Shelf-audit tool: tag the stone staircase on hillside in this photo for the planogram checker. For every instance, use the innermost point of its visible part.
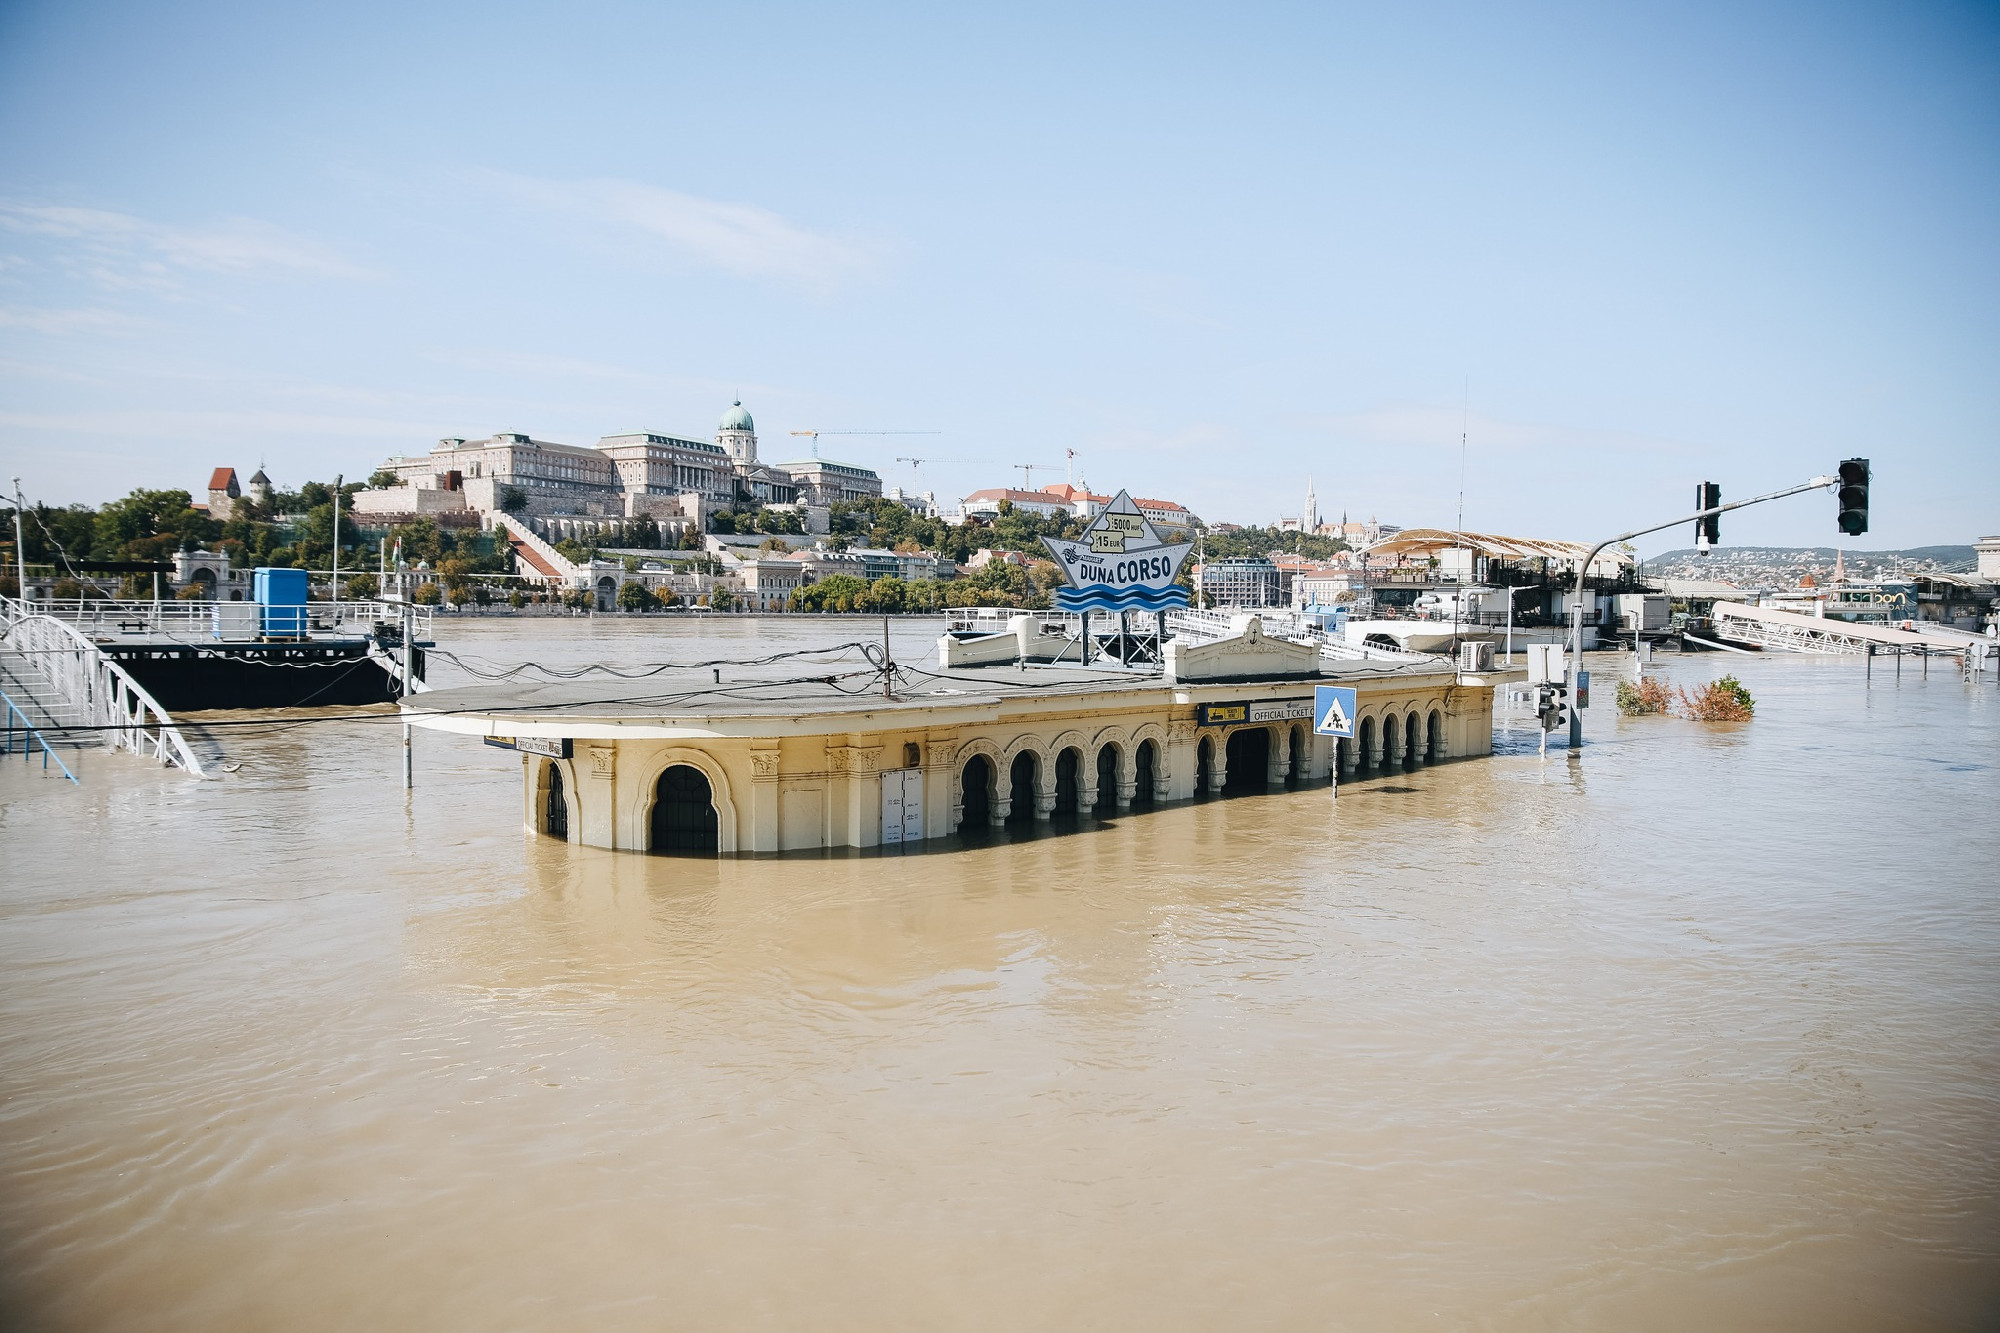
(537, 559)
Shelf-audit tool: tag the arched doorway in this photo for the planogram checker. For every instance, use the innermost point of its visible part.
(1107, 781)
(1144, 761)
(1366, 738)
(683, 812)
(1021, 794)
(1392, 742)
(977, 787)
(1434, 743)
(1343, 747)
(607, 593)
(1069, 795)
(1248, 753)
(1297, 774)
(1204, 766)
(555, 804)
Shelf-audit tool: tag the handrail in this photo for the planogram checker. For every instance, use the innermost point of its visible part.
(107, 697)
(197, 619)
(30, 735)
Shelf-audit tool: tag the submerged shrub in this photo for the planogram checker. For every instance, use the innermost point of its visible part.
(1723, 700)
(1644, 696)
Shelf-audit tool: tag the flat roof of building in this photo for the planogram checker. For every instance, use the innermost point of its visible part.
(835, 700)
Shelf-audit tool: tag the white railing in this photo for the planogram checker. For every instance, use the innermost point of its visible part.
(197, 620)
(87, 691)
(1208, 625)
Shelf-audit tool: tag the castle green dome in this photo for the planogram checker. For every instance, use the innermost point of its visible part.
(738, 419)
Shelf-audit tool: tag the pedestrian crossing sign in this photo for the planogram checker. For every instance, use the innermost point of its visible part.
(1333, 710)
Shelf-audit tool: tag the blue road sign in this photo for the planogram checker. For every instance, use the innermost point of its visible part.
(1333, 710)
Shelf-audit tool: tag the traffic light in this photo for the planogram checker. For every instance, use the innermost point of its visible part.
(1707, 530)
(1549, 705)
(1854, 496)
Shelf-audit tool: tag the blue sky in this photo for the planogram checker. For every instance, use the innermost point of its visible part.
(1214, 250)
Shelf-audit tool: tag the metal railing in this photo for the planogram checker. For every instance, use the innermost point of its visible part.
(199, 620)
(1206, 625)
(75, 683)
(30, 737)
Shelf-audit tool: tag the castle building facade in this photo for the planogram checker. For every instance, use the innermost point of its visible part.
(632, 474)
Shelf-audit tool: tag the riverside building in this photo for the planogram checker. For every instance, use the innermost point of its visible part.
(812, 765)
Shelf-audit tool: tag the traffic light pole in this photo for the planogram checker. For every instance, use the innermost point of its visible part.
(1583, 573)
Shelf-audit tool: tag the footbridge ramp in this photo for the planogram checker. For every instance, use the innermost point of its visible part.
(70, 691)
(1789, 631)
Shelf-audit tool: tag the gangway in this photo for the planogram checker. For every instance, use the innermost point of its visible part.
(1789, 631)
(66, 678)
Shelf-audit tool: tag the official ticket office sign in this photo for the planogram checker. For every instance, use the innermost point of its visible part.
(1120, 563)
(1264, 710)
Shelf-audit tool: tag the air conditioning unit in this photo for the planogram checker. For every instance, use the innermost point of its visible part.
(1475, 657)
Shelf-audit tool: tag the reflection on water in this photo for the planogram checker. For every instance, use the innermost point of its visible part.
(1698, 1029)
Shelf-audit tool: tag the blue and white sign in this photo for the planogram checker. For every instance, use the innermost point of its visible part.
(1334, 707)
(1120, 563)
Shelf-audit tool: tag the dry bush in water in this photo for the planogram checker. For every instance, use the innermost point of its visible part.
(1723, 700)
(1647, 696)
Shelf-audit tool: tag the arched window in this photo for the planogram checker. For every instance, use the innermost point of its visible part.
(1204, 765)
(1392, 742)
(555, 804)
(1144, 765)
(1021, 792)
(684, 812)
(1249, 754)
(978, 790)
(1366, 737)
(1107, 781)
(1434, 749)
(1296, 775)
(1069, 795)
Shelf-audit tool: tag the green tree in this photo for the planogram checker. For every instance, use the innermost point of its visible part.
(634, 596)
(361, 587)
(512, 499)
(427, 594)
(383, 478)
(722, 599)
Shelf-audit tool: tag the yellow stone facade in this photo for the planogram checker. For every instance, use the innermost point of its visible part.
(792, 784)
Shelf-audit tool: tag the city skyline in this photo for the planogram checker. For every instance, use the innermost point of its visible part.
(1618, 254)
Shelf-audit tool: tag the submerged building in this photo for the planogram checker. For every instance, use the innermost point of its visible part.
(795, 766)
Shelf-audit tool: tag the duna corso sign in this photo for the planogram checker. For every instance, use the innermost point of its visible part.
(1120, 563)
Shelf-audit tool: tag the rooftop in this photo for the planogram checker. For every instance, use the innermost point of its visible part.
(1429, 541)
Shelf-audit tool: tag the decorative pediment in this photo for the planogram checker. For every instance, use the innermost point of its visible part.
(1248, 654)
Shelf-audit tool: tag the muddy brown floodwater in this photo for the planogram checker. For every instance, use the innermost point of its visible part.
(1700, 1031)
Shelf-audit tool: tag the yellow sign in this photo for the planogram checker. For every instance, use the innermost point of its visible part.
(1131, 525)
(1103, 541)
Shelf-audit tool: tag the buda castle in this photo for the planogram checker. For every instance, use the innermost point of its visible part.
(638, 474)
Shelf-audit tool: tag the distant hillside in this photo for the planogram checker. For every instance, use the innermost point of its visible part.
(1947, 556)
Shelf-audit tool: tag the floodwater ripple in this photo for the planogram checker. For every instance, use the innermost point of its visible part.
(1700, 1029)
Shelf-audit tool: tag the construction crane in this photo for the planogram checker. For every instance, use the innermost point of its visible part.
(915, 463)
(1028, 469)
(815, 434)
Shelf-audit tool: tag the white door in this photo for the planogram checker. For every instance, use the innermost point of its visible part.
(902, 806)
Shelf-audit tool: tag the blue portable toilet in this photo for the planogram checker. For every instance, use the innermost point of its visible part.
(281, 600)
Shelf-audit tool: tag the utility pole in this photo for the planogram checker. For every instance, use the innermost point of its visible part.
(338, 478)
(409, 681)
(20, 545)
(1575, 666)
